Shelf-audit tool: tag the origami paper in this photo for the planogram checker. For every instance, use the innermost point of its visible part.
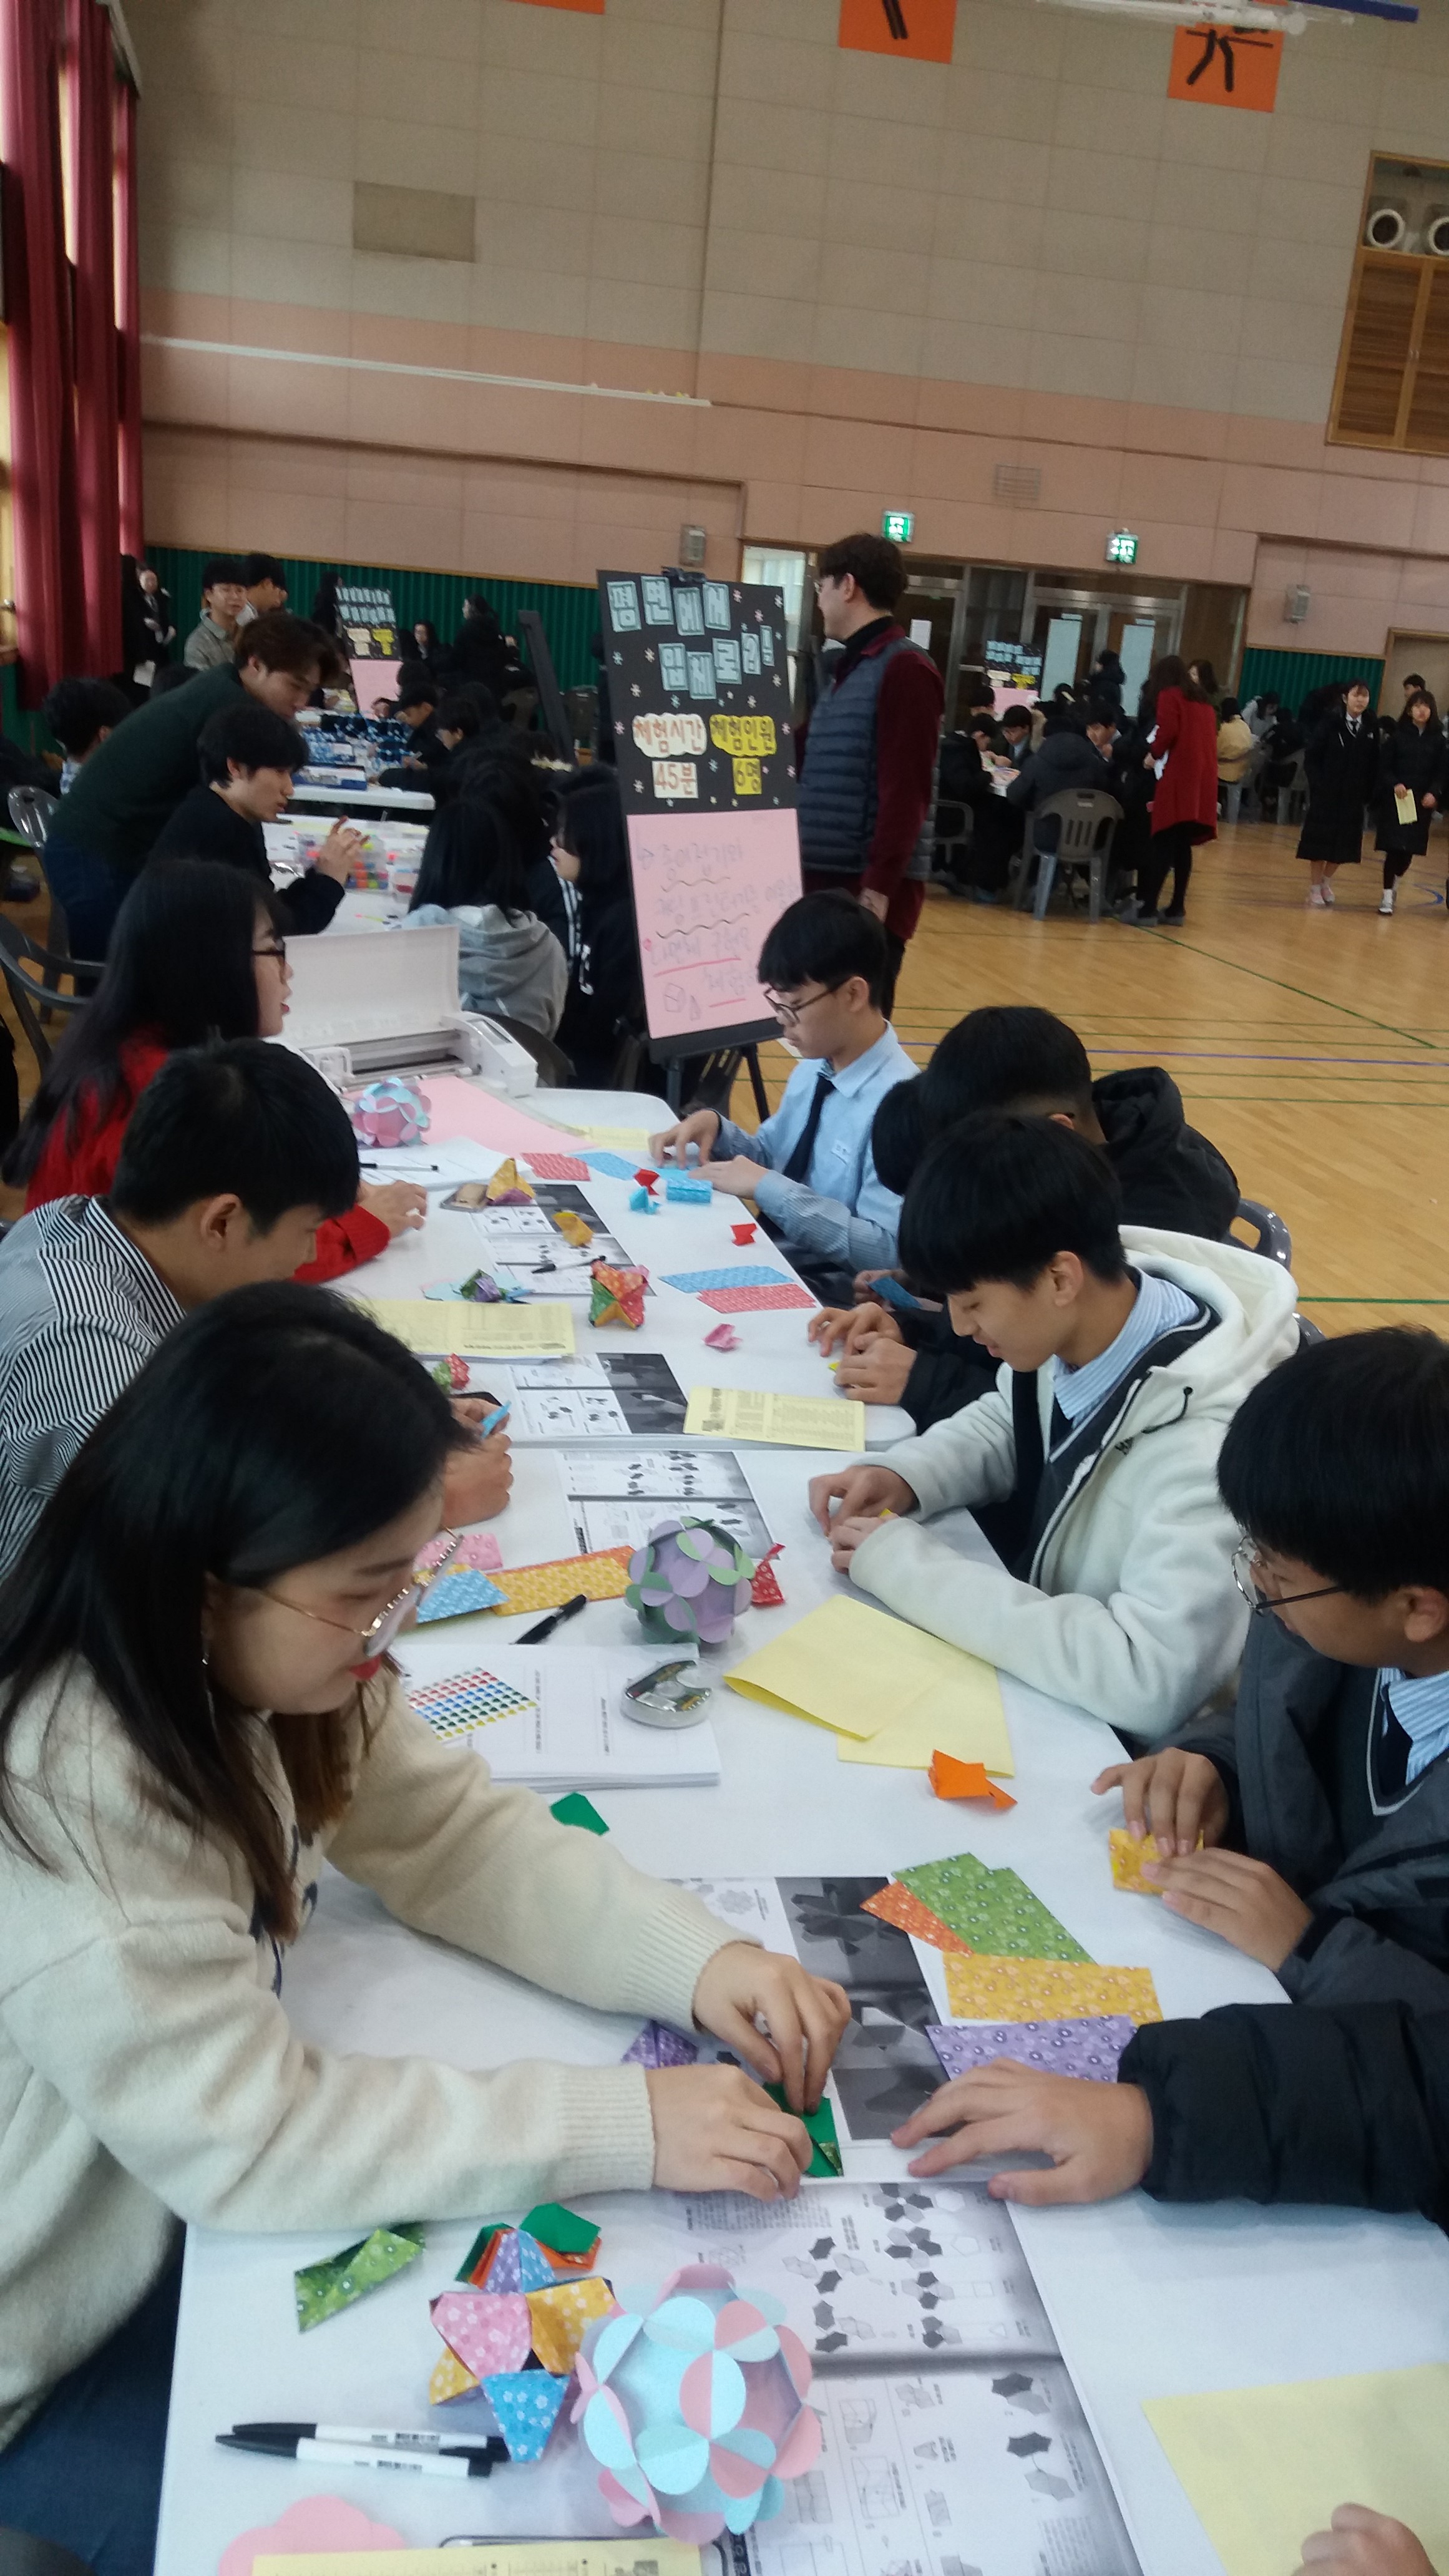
(755, 1301)
(508, 1187)
(688, 1189)
(704, 2447)
(993, 1910)
(480, 1288)
(557, 1167)
(601, 1577)
(325, 2289)
(723, 1338)
(995, 1989)
(658, 2045)
(388, 1113)
(820, 2130)
(574, 1228)
(527, 2405)
(765, 1592)
(449, 2380)
(744, 1233)
(744, 1275)
(561, 2231)
(312, 2527)
(849, 1667)
(645, 1177)
(562, 2317)
(520, 2263)
(576, 1809)
(456, 1593)
(467, 1700)
(612, 1166)
(484, 2330)
(451, 1375)
(475, 2264)
(478, 1548)
(617, 1296)
(1127, 1858)
(1087, 2048)
(642, 1204)
(895, 1904)
(953, 1779)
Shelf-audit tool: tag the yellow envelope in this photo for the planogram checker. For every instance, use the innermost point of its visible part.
(851, 1668)
(1265, 2466)
(994, 1989)
(786, 1421)
(443, 1324)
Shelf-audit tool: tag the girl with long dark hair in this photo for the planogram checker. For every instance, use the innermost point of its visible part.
(197, 952)
(605, 1002)
(1414, 765)
(1182, 735)
(475, 875)
(197, 1709)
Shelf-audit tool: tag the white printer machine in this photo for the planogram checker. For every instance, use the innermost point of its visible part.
(367, 1002)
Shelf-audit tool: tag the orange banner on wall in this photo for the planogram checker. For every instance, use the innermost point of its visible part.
(925, 30)
(1225, 67)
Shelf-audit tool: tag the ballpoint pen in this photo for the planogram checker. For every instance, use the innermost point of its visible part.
(555, 1619)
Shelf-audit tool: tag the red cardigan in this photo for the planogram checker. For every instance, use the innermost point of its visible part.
(87, 1168)
(1187, 791)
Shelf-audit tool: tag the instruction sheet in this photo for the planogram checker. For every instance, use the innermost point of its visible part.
(617, 1496)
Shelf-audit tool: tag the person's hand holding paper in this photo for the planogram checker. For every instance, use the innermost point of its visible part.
(855, 1492)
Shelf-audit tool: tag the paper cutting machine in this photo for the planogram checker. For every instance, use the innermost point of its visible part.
(369, 1002)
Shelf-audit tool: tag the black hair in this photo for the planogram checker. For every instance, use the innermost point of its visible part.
(472, 855)
(281, 642)
(999, 1196)
(275, 1426)
(77, 710)
(1414, 680)
(252, 735)
(428, 628)
(172, 675)
(219, 568)
(591, 827)
(458, 712)
(1009, 1055)
(1228, 710)
(1407, 717)
(1102, 711)
(1171, 672)
(1207, 678)
(875, 563)
(1340, 1458)
(179, 969)
(255, 568)
(898, 1136)
(1017, 715)
(825, 939)
(417, 688)
(238, 1117)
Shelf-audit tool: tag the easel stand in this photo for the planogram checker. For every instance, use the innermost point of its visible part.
(715, 1078)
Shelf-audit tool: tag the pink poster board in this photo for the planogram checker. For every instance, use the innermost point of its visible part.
(373, 680)
(459, 1108)
(707, 887)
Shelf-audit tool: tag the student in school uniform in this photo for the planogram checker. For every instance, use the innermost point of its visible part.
(82, 714)
(1414, 764)
(196, 1709)
(235, 1156)
(809, 1168)
(1125, 1358)
(1341, 765)
(474, 875)
(248, 756)
(198, 953)
(1015, 1057)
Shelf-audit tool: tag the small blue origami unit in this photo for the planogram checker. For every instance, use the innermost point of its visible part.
(692, 2400)
(688, 1189)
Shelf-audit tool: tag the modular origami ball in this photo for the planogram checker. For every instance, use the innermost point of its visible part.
(692, 2400)
(616, 1296)
(389, 1112)
(688, 1581)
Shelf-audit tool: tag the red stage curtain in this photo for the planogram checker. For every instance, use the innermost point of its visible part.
(128, 326)
(47, 554)
(92, 148)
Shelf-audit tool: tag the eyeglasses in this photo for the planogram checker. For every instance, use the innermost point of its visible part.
(1245, 1557)
(379, 1632)
(277, 949)
(789, 1013)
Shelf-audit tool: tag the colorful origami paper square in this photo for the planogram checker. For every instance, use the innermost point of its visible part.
(895, 1904)
(561, 2231)
(576, 1809)
(325, 2289)
(612, 1166)
(820, 2130)
(658, 2045)
(1127, 1858)
(562, 2317)
(526, 2405)
(987, 1989)
(751, 1301)
(558, 1167)
(1088, 2049)
(951, 1778)
(455, 1593)
(485, 2331)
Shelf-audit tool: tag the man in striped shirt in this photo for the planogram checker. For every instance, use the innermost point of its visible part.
(233, 1156)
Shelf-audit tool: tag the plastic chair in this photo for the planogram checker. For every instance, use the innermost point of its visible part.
(1087, 819)
(32, 812)
(26, 990)
(952, 836)
(1273, 1238)
(22, 2556)
(1308, 1332)
(1292, 792)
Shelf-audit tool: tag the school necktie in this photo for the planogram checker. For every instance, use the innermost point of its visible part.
(799, 1163)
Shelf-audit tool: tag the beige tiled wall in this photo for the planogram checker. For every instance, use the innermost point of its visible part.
(882, 277)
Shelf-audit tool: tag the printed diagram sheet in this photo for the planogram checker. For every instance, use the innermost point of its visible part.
(609, 1393)
(617, 1496)
(524, 1249)
(955, 2444)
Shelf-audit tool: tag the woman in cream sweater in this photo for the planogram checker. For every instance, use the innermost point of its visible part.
(235, 1540)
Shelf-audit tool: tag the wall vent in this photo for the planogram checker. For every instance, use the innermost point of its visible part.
(1019, 483)
(414, 223)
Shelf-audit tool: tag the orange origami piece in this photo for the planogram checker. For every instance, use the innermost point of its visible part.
(895, 1904)
(574, 1228)
(951, 1778)
(1127, 1858)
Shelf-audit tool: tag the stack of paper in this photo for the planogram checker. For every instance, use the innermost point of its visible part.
(785, 1421)
(438, 1326)
(992, 1909)
(892, 1693)
(561, 1725)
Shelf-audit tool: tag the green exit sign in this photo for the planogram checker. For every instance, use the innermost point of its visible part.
(898, 525)
(1122, 546)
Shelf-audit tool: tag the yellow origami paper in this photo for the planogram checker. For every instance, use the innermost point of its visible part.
(990, 1989)
(449, 2379)
(562, 2317)
(1127, 1858)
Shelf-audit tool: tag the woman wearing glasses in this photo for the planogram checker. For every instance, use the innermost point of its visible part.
(197, 952)
(195, 1711)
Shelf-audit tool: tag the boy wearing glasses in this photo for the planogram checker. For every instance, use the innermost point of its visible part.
(809, 1168)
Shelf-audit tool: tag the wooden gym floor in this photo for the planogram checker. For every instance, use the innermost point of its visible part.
(1312, 1047)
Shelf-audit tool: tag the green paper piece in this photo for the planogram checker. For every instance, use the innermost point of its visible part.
(490, 2228)
(576, 1810)
(325, 2289)
(820, 2129)
(562, 2229)
(992, 1910)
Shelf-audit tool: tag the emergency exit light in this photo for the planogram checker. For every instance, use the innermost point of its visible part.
(898, 525)
(1122, 547)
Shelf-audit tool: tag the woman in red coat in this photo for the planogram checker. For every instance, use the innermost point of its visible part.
(1183, 750)
(196, 953)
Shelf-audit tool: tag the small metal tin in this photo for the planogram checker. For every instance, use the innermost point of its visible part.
(672, 1694)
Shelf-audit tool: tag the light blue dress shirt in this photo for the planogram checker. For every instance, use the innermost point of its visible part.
(841, 1213)
(1161, 1306)
(1422, 1709)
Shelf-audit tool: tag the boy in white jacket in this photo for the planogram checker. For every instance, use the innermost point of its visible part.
(1126, 1355)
